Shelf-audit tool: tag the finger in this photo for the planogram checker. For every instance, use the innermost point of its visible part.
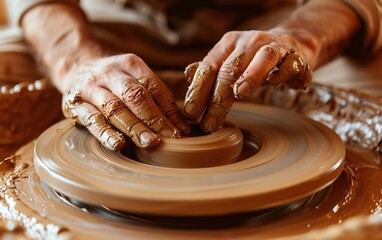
(222, 98)
(202, 84)
(159, 92)
(139, 101)
(164, 99)
(293, 70)
(120, 117)
(89, 116)
(190, 71)
(266, 58)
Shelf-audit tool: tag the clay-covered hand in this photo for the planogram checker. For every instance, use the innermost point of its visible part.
(120, 94)
(236, 66)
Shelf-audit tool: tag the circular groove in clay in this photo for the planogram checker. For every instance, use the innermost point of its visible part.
(215, 149)
(297, 157)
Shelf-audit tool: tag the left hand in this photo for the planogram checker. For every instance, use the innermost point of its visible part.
(236, 66)
(120, 94)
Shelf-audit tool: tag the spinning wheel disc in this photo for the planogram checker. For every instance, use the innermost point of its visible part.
(297, 157)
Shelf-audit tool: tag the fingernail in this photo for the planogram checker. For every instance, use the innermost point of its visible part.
(242, 90)
(191, 110)
(115, 141)
(146, 137)
(170, 133)
(209, 124)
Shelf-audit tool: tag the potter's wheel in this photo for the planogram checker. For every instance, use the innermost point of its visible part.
(292, 158)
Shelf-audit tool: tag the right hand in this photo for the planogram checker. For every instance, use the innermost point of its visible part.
(120, 94)
(237, 66)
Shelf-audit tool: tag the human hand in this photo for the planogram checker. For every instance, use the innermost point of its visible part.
(120, 94)
(236, 66)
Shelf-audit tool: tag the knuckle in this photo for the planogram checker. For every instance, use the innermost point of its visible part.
(155, 123)
(132, 60)
(145, 81)
(228, 74)
(228, 36)
(154, 87)
(170, 109)
(112, 107)
(260, 35)
(134, 94)
(207, 68)
(107, 68)
(90, 83)
(95, 119)
(205, 73)
(72, 98)
(270, 52)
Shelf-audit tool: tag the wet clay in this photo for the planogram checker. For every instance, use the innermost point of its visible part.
(292, 68)
(356, 193)
(286, 147)
(350, 208)
(222, 96)
(215, 90)
(26, 109)
(165, 100)
(209, 150)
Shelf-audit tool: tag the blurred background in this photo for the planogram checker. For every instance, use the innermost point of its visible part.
(344, 73)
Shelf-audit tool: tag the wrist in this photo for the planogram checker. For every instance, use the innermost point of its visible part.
(65, 42)
(60, 64)
(73, 63)
(323, 28)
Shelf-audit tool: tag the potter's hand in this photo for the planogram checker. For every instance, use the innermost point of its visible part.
(121, 94)
(236, 66)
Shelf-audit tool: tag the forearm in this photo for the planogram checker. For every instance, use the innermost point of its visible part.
(324, 27)
(60, 35)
